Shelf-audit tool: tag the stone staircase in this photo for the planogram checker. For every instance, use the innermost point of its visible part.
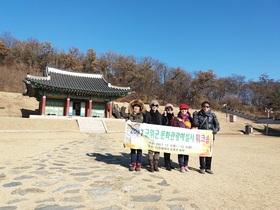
(91, 125)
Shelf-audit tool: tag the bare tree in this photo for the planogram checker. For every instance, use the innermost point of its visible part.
(104, 65)
(201, 87)
(149, 78)
(8, 39)
(4, 51)
(90, 63)
(72, 60)
(177, 86)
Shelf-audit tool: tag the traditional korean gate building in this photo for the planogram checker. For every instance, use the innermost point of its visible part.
(67, 93)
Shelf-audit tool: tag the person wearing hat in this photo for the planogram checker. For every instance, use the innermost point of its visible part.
(207, 120)
(136, 114)
(167, 117)
(183, 120)
(153, 117)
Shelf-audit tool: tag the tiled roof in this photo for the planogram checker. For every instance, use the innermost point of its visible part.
(74, 83)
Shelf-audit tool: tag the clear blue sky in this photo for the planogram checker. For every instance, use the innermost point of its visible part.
(228, 36)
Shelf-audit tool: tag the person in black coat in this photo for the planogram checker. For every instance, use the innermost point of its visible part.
(153, 117)
(167, 117)
(207, 120)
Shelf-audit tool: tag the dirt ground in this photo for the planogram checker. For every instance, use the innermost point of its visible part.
(246, 167)
(246, 170)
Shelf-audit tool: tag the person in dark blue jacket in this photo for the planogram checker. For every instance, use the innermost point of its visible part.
(207, 120)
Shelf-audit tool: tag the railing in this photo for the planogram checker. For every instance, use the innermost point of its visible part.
(240, 114)
(251, 117)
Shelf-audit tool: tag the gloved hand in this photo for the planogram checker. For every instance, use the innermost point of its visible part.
(215, 131)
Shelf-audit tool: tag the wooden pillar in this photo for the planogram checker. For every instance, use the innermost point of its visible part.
(42, 106)
(89, 108)
(86, 109)
(66, 107)
(109, 110)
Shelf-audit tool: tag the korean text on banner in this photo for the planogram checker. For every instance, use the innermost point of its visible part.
(168, 139)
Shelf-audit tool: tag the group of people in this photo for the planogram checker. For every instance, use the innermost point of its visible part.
(202, 119)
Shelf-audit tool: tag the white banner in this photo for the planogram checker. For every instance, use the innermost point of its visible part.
(168, 139)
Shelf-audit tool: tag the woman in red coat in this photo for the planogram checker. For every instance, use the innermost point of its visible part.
(183, 120)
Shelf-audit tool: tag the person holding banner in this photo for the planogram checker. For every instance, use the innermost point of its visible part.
(183, 120)
(136, 110)
(167, 117)
(207, 120)
(153, 117)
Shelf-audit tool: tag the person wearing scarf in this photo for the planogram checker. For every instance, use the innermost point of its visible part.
(183, 120)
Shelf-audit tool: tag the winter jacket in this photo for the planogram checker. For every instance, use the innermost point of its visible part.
(179, 122)
(136, 117)
(206, 120)
(166, 120)
(139, 117)
(153, 117)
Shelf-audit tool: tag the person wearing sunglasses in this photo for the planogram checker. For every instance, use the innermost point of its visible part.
(183, 120)
(207, 120)
(167, 117)
(153, 117)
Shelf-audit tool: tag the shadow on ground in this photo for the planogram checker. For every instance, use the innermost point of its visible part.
(124, 160)
(271, 131)
(25, 113)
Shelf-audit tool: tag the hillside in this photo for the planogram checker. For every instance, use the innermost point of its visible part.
(14, 108)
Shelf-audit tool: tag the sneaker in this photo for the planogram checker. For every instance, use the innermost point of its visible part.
(187, 169)
(182, 170)
(202, 171)
(209, 171)
(138, 167)
(132, 167)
